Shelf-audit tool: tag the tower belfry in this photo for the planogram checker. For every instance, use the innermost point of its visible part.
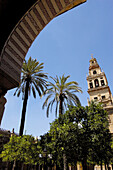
(99, 90)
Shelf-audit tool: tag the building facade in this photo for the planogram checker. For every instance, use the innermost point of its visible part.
(99, 90)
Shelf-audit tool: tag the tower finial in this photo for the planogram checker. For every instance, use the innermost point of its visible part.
(92, 56)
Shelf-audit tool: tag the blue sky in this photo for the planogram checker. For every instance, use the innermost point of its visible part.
(65, 46)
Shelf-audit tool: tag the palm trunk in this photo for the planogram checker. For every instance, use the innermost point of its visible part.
(24, 108)
(84, 164)
(101, 165)
(61, 105)
(65, 162)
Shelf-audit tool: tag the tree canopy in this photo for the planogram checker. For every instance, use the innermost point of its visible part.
(32, 79)
(23, 149)
(82, 133)
(61, 93)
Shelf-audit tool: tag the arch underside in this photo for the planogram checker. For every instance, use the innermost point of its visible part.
(23, 35)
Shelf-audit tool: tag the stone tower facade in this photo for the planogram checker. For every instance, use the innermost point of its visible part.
(99, 90)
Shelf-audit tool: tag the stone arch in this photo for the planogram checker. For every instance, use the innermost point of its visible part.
(23, 35)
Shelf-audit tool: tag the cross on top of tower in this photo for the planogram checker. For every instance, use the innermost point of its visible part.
(92, 56)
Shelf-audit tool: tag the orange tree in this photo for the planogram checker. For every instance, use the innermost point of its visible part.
(82, 134)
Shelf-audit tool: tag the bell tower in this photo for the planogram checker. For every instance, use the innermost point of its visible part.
(99, 90)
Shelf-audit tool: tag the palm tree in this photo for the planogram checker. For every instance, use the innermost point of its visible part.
(62, 93)
(32, 79)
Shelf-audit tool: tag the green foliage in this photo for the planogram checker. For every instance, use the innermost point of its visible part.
(23, 149)
(101, 136)
(82, 133)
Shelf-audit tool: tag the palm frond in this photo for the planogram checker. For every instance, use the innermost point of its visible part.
(71, 83)
(19, 89)
(46, 101)
(48, 108)
(43, 75)
(33, 91)
(49, 91)
(53, 101)
(64, 79)
(55, 80)
(53, 86)
(39, 84)
(37, 89)
(74, 98)
(16, 91)
(76, 88)
(66, 90)
(18, 94)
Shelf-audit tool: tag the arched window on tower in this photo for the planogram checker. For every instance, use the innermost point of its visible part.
(96, 83)
(94, 72)
(91, 85)
(102, 82)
